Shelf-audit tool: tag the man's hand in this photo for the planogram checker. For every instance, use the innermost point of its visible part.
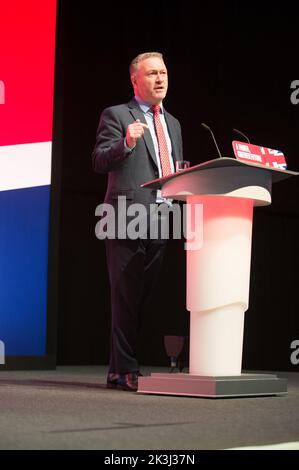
(134, 132)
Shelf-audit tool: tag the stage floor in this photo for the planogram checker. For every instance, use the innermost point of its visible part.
(70, 408)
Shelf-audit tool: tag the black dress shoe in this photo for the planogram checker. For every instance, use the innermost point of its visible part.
(127, 382)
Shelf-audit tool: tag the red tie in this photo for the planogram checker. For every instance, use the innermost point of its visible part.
(163, 150)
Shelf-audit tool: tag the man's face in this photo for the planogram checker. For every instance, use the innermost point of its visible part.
(150, 81)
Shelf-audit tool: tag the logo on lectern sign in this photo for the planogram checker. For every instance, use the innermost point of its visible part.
(259, 155)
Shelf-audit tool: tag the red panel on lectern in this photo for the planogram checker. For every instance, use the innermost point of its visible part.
(260, 155)
(27, 70)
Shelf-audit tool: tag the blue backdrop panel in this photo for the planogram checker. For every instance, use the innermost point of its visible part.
(24, 223)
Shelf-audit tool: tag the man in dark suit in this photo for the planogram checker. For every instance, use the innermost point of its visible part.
(136, 142)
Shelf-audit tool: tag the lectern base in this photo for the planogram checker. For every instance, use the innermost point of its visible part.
(212, 387)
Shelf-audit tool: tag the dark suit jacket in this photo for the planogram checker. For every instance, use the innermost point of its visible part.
(127, 171)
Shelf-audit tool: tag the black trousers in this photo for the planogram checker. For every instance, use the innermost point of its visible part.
(133, 267)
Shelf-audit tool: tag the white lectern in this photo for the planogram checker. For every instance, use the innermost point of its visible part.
(218, 274)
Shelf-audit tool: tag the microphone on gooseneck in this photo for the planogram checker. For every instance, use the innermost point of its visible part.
(210, 130)
(243, 135)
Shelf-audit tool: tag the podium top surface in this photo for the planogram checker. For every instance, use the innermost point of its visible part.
(277, 174)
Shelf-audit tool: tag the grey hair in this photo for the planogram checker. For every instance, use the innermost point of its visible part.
(141, 57)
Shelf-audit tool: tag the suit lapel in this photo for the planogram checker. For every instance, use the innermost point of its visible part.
(138, 114)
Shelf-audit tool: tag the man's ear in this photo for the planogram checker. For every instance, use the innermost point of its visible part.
(133, 79)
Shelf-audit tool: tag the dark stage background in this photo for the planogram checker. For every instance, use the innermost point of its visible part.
(229, 66)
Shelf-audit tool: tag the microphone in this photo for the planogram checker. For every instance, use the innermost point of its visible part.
(210, 130)
(243, 135)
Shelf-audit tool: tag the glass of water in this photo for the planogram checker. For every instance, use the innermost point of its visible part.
(181, 165)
